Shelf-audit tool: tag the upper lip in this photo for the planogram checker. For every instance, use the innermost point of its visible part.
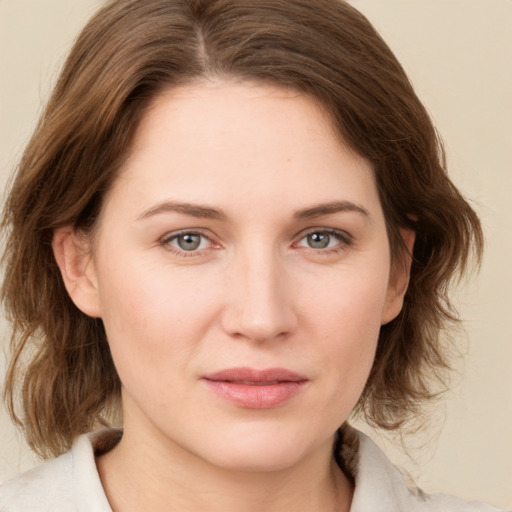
(251, 375)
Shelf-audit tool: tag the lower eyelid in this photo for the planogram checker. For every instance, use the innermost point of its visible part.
(344, 238)
(168, 239)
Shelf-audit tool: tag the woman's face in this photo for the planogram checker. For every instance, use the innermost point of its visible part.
(242, 270)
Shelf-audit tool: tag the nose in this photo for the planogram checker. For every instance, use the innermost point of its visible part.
(260, 298)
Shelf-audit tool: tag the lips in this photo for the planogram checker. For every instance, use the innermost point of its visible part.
(256, 389)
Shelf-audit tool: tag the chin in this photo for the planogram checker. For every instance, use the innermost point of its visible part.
(262, 449)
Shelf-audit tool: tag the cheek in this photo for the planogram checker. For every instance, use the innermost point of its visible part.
(347, 319)
(350, 303)
(154, 319)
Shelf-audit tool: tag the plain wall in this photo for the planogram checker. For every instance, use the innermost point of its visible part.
(458, 54)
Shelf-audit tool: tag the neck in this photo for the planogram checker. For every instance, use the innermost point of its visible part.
(139, 475)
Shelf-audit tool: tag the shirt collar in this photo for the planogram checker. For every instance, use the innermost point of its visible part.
(379, 485)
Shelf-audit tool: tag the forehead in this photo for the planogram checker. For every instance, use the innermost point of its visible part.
(240, 113)
(226, 141)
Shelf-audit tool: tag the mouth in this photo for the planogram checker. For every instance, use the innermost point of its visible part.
(256, 389)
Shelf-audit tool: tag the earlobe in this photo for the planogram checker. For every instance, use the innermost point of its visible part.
(399, 279)
(77, 269)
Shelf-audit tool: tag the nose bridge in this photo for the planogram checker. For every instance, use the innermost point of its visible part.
(261, 301)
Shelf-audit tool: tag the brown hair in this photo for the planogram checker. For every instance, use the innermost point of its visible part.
(126, 55)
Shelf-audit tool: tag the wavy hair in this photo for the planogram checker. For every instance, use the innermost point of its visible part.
(127, 54)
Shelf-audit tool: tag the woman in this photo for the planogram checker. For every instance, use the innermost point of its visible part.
(232, 224)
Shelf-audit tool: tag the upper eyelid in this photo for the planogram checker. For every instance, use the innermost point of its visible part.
(334, 231)
(165, 242)
(172, 235)
(345, 241)
(193, 231)
(344, 235)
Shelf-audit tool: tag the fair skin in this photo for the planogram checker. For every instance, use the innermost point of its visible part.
(241, 234)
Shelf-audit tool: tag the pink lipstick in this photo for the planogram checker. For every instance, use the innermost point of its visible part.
(256, 389)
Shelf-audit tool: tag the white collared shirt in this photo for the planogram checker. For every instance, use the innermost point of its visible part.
(71, 482)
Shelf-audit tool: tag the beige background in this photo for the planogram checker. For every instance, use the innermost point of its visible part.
(458, 54)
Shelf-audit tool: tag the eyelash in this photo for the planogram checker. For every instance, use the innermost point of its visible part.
(168, 239)
(345, 241)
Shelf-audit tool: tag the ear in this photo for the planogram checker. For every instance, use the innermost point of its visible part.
(74, 259)
(399, 279)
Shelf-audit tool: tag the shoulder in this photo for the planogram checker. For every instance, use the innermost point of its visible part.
(379, 485)
(65, 484)
(46, 487)
(445, 502)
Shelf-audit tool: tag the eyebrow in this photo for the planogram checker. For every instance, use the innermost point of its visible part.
(207, 212)
(331, 208)
(194, 210)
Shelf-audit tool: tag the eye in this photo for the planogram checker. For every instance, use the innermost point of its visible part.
(324, 239)
(187, 241)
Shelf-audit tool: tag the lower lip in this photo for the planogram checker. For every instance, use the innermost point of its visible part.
(256, 396)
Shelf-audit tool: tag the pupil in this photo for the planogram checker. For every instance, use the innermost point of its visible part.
(318, 240)
(189, 242)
